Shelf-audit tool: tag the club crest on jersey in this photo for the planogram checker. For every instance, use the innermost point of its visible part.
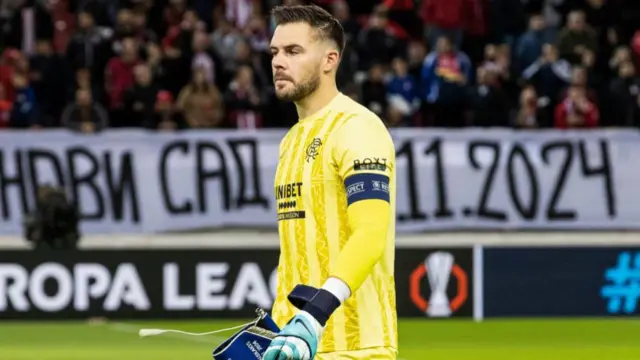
(312, 149)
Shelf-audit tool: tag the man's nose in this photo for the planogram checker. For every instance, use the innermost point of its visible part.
(278, 62)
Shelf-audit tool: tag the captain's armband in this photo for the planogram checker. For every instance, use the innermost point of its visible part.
(366, 186)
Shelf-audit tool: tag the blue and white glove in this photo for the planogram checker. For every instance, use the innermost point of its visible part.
(299, 339)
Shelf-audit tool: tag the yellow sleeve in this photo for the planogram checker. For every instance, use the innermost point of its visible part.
(364, 155)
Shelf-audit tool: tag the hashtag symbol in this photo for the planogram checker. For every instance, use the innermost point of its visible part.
(623, 288)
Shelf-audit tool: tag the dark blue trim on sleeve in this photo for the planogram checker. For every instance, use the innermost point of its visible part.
(366, 186)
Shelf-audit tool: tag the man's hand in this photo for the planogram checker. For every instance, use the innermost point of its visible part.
(298, 340)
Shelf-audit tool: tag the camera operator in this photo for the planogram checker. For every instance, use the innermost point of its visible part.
(54, 223)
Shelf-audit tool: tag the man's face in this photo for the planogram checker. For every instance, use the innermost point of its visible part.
(550, 53)
(536, 23)
(341, 10)
(626, 69)
(297, 61)
(200, 41)
(399, 67)
(19, 81)
(129, 48)
(376, 73)
(245, 76)
(83, 98)
(142, 74)
(443, 45)
(85, 20)
(125, 18)
(579, 76)
(139, 20)
(43, 47)
(576, 21)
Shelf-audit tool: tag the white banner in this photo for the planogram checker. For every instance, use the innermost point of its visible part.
(139, 182)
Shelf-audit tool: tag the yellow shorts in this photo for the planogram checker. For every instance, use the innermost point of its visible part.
(379, 353)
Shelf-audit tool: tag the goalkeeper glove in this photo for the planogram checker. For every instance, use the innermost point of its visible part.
(299, 339)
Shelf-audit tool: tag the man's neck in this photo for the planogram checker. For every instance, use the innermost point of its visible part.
(316, 101)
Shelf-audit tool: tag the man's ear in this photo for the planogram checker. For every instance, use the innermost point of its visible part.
(332, 60)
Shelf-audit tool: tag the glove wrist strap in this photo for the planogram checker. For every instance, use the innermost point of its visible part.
(319, 303)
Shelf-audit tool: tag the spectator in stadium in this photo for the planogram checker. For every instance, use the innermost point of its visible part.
(103, 11)
(239, 12)
(166, 117)
(349, 62)
(24, 113)
(580, 78)
(244, 100)
(119, 77)
(7, 68)
(48, 75)
(21, 65)
(155, 63)
(533, 112)
(123, 29)
(140, 30)
(245, 57)
(84, 114)
(416, 53)
(202, 58)
(576, 38)
(5, 108)
(402, 91)
(374, 91)
(376, 43)
(179, 37)
(177, 47)
(225, 40)
(89, 48)
(497, 61)
(621, 55)
(82, 80)
(576, 111)
(201, 102)
(549, 75)
(442, 18)
(624, 93)
(403, 12)
(529, 45)
(257, 35)
(488, 101)
(445, 75)
(139, 100)
(173, 14)
(341, 11)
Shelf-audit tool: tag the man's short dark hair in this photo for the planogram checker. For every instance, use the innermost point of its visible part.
(318, 18)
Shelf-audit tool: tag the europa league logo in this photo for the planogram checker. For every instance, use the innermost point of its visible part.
(438, 267)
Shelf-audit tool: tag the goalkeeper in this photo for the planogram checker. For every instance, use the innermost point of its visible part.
(335, 192)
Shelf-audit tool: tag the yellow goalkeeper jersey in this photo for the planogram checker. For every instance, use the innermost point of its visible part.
(341, 154)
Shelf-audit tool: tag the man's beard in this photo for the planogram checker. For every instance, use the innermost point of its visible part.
(301, 90)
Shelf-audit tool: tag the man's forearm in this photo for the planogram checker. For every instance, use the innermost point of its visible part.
(370, 223)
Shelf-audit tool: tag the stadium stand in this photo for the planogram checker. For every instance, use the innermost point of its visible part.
(176, 64)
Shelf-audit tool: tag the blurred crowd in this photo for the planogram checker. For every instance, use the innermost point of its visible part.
(177, 64)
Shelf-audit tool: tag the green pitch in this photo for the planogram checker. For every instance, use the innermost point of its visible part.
(611, 339)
